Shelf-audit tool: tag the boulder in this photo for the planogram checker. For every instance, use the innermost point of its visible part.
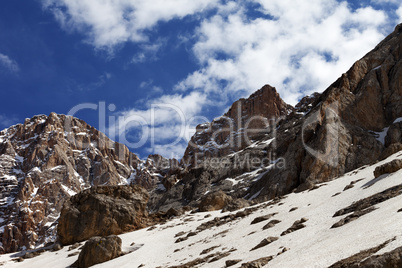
(214, 201)
(102, 211)
(389, 167)
(99, 249)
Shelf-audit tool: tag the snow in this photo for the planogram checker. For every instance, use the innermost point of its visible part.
(68, 190)
(161, 187)
(19, 158)
(255, 195)
(381, 135)
(34, 192)
(376, 68)
(234, 181)
(316, 245)
(397, 120)
(35, 169)
(57, 167)
(132, 176)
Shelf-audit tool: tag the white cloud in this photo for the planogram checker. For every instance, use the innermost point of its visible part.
(168, 122)
(399, 13)
(7, 120)
(304, 48)
(112, 22)
(295, 45)
(148, 52)
(8, 63)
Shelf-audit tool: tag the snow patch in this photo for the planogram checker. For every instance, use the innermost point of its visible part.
(68, 190)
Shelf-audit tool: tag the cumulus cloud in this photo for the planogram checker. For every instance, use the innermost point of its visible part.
(8, 63)
(167, 122)
(112, 22)
(296, 46)
(399, 13)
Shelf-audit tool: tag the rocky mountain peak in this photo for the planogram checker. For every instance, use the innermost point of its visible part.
(246, 120)
(46, 160)
(356, 121)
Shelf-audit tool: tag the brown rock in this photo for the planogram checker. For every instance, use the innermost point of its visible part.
(264, 242)
(214, 201)
(229, 263)
(46, 160)
(101, 211)
(97, 250)
(389, 167)
(257, 263)
(226, 134)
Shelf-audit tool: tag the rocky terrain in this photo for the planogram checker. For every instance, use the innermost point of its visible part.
(295, 230)
(64, 181)
(356, 121)
(50, 158)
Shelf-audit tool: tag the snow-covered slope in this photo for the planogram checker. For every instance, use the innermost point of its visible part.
(232, 236)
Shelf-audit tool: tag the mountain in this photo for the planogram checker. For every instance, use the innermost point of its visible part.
(233, 131)
(262, 149)
(50, 158)
(353, 221)
(354, 122)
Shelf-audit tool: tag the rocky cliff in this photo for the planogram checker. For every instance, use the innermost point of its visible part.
(246, 120)
(355, 122)
(48, 159)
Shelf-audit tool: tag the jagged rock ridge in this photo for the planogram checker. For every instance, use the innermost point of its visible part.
(48, 159)
(355, 122)
(234, 130)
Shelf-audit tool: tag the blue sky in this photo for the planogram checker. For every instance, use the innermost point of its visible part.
(183, 61)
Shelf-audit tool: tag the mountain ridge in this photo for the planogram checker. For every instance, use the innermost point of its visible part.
(353, 123)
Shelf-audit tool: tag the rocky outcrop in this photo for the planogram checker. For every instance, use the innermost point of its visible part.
(42, 163)
(50, 158)
(355, 122)
(214, 201)
(97, 250)
(386, 260)
(102, 211)
(246, 120)
(389, 167)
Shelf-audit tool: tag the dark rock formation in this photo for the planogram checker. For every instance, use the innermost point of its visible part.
(257, 263)
(99, 249)
(102, 211)
(389, 167)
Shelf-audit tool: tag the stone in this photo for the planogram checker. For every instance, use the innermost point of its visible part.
(229, 263)
(98, 250)
(214, 201)
(102, 211)
(264, 242)
(389, 167)
(257, 263)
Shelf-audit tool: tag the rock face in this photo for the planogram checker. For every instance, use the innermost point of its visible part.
(235, 130)
(99, 249)
(355, 122)
(48, 159)
(102, 211)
